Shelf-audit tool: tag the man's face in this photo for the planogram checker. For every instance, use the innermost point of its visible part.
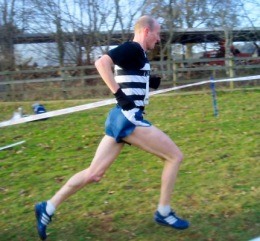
(153, 37)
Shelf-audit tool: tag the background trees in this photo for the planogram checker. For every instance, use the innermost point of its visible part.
(69, 20)
(14, 16)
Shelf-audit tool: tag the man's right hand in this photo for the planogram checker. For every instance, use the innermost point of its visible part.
(124, 101)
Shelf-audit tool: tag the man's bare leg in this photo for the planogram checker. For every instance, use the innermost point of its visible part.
(153, 140)
(106, 153)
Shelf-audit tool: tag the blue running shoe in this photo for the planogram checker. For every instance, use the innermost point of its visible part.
(171, 220)
(43, 219)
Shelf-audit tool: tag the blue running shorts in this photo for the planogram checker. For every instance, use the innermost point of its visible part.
(121, 123)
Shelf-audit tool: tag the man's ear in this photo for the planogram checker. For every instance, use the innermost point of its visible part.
(146, 31)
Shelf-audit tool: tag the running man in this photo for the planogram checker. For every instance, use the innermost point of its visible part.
(129, 82)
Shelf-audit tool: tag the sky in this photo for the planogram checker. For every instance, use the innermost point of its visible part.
(253, 11)
(36, 54)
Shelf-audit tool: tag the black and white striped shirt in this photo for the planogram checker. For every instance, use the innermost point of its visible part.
(132, 71)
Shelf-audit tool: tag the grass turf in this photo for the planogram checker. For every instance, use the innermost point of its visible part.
(218, 187)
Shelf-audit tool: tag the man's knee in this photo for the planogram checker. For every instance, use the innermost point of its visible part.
(180, 157)
(95, 176)
(176, 157)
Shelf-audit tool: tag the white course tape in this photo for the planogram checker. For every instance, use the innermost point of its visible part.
(12, 145)
(255, 239)
(110, 101)
(255, 77)
(57, 112)
(156, 92)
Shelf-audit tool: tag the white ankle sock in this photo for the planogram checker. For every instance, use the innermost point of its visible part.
(164, 210)
(50, 209)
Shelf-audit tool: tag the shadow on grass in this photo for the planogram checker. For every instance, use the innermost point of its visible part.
(111, 227)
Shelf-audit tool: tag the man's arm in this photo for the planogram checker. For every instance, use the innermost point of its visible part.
(104, 66)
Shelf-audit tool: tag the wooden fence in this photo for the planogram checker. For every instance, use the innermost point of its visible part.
(84, 81)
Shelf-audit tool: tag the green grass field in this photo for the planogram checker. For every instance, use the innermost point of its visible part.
(218, 187)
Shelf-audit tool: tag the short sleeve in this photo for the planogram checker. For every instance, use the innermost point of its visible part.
(129, 55)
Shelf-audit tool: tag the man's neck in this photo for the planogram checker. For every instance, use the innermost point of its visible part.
(139, 40)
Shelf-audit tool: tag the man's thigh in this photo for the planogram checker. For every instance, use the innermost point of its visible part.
(153, 140)
(106, 153)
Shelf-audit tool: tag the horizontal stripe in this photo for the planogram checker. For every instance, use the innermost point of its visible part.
(129, 91)
(137, 97)
(131, 78)
(139, 103)
(146, 67)
(133, 85)
(119, 72)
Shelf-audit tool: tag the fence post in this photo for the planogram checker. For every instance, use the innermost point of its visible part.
(231, 71)
(10, 91)
(175, 73)
(64, 76)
